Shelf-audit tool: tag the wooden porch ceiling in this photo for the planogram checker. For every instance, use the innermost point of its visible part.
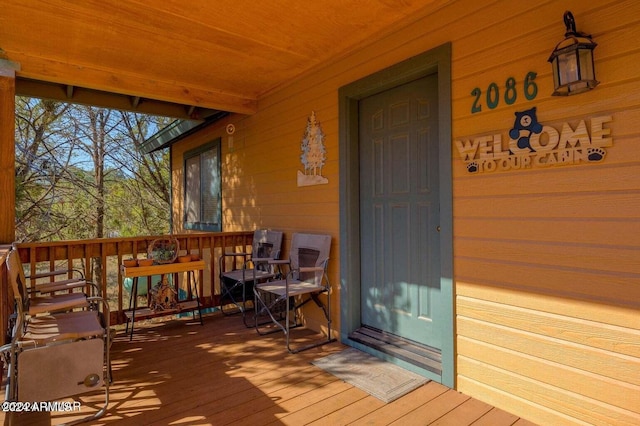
(201, 56)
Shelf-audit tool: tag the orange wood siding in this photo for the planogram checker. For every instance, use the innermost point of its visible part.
(545, 260)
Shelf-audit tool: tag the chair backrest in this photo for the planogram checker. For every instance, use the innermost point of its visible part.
(18, 283)
(267, 243)
(17, 280)
(309, 250)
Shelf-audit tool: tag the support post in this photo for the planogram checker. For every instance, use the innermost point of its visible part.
(7, 181)
(7, 149)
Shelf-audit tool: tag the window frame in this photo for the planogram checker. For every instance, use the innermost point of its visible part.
(200, 225)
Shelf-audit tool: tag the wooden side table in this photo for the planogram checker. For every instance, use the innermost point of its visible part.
(135, 272)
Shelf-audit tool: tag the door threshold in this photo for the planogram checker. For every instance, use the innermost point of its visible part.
(421, 356)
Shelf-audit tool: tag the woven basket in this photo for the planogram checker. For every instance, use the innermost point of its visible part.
(163, 250)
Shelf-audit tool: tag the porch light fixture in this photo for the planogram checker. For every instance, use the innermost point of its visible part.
(572, 61)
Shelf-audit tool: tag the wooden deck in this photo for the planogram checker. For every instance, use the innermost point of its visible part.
(181, 373)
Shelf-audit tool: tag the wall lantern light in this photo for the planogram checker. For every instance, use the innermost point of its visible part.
(572, 61)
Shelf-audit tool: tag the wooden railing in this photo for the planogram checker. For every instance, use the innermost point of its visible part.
(100, 260)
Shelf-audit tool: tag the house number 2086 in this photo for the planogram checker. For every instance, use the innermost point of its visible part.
(492, 95)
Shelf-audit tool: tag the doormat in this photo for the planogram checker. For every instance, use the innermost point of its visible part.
(379, 378)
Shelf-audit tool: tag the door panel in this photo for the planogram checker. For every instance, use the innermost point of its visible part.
(399, 209)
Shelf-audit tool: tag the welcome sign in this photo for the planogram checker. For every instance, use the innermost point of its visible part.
(531, 144)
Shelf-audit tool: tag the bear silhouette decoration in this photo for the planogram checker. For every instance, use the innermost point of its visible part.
(525, 124)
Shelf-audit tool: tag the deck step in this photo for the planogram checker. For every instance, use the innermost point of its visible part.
(419, 355)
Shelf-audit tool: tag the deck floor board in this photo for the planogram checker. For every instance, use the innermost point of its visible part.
(179, 372)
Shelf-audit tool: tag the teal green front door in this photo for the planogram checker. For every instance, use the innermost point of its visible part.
(399, 212)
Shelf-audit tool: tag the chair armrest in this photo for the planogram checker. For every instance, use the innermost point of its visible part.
(256, 261)
(311, 269)
(279, 262)
(55, 286)
(5, 348)
(262, 259)
(46, 274)
(236, 254)
(53, 273)
(106, 311)
(222, 261)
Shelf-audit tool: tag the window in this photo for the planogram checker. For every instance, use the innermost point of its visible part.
(202, 183)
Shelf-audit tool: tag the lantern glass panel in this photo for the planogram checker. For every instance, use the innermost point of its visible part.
(556, 73)
(568, 64)
(586, 64)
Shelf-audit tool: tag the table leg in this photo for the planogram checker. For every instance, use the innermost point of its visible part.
(192, 282)
(134, 294)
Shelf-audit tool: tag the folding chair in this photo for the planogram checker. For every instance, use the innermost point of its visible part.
(42, 302)
(306, 280)
(55, 356)
(237, 284)
(55, 285)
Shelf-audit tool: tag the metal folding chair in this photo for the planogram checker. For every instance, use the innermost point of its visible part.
(74, 280)
(35, 303)
(55, 355)
(237, 284)
(281, 300)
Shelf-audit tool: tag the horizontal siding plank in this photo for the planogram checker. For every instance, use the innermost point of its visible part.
(594, 386)
(283, 123)
(568, 255)
(555, 180)
(284, 173)
(557, 205)
(551, 231)
(276, 196)
(509, 401)
(615, 366)
(571, 404)
(624, 317)
(289, 225)
(622, 340)
(308, 210)
(569, 285)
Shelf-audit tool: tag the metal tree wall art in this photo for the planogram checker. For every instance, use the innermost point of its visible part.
(313, 154)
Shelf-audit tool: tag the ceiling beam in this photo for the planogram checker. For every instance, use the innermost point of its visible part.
(115, 81)
(60, 92)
